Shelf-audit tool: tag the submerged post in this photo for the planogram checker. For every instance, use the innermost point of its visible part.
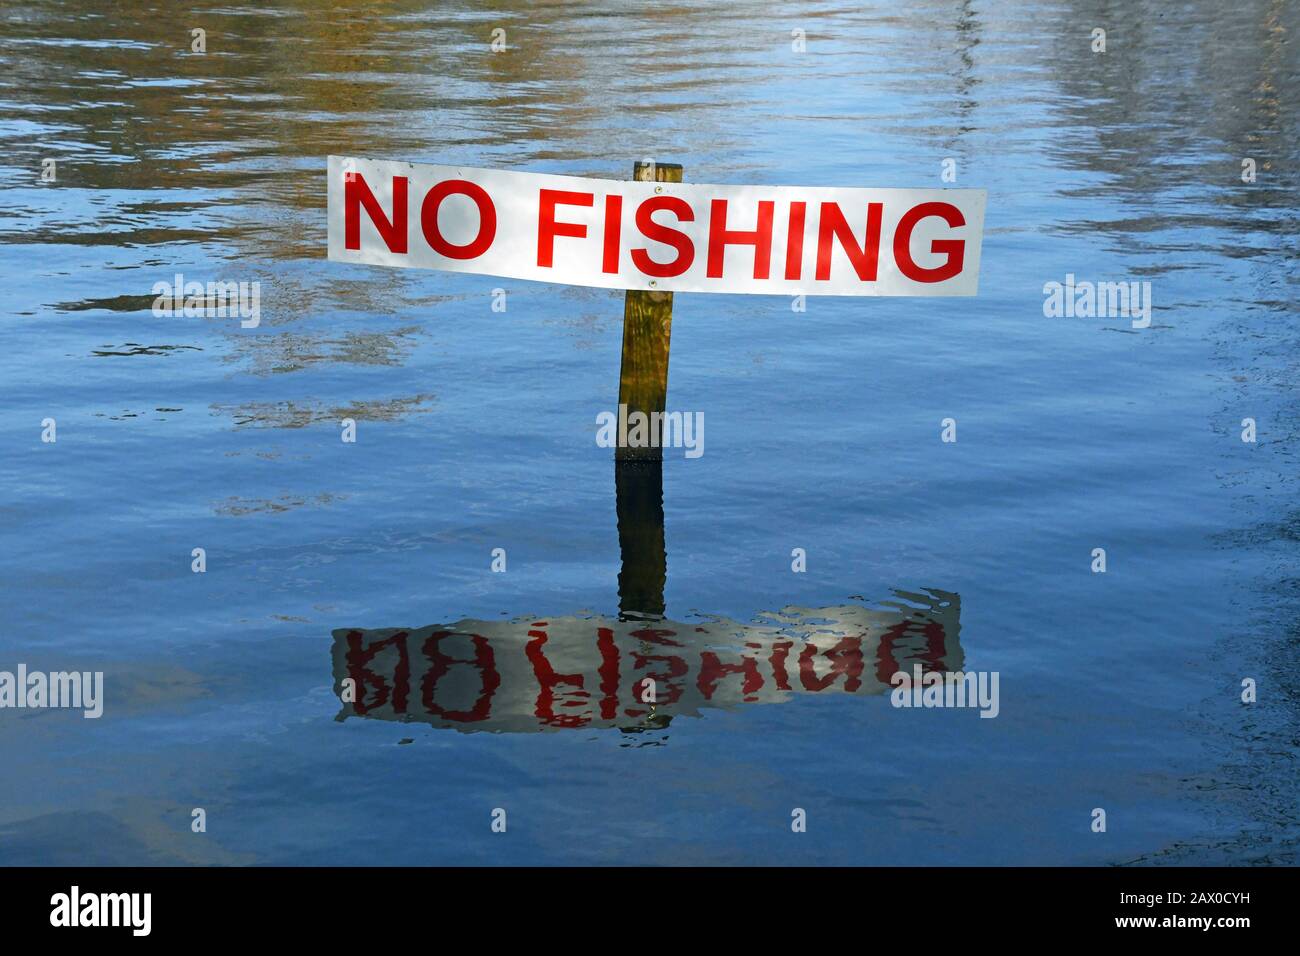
(647, 329)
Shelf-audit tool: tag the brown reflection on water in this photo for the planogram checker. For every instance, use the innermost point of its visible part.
(294, 351)
(300, 414)
(1167, 115)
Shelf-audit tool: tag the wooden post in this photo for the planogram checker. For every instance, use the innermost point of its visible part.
(638, 472)
(647, 329)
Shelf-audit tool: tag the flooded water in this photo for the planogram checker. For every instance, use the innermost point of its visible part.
(475, 428)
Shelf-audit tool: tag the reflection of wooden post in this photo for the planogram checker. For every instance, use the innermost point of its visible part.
(639, 490)
(647, 328)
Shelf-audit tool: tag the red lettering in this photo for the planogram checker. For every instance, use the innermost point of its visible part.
(484, 661)
(549, 680)
(845, 658)
(833, 224)
(613, 231)
(356, 193)
(954, 249)
(668, 692)
(665, 234)
(794, 241)
(358, 658)
(780, 651)
(487, 219)
(608, 673)
(760, 238)
(887, 663)
(548, 228)
(711, 669)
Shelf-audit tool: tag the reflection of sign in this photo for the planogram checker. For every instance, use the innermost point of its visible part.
(673, 237)
(595, 672)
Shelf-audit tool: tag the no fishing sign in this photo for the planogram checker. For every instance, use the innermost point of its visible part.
(661, 236)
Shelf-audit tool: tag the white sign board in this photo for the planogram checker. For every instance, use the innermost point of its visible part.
(672, 237)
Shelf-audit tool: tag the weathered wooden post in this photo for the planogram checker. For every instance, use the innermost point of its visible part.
(638, 471)
(647, 330)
